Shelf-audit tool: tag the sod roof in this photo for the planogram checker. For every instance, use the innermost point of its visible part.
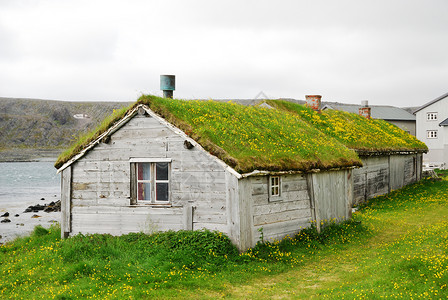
(354, 131)
(289, 138)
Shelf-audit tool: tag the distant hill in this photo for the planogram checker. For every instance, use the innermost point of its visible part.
(31, 128)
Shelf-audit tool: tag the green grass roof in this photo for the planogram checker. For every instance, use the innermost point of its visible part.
(354, 131)
(249, 138)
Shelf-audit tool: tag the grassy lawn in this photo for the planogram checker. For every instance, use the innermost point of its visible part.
(395, 247)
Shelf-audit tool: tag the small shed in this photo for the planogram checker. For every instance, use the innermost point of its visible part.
(170, 164)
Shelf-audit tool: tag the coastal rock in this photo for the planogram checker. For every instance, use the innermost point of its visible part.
(6, 214)
(6, 220)
(51, 207)
(16, 215)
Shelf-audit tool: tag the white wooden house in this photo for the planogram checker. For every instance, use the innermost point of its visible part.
(144, 174)
(432, 122)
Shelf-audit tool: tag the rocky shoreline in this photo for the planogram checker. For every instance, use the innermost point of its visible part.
(15, 222)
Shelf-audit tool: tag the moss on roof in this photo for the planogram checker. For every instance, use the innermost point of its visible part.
(354, 131)
(249, 138)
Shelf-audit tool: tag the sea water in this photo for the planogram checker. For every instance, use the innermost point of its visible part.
(22, 182)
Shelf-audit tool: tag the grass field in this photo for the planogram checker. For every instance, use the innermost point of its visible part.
(395, 247)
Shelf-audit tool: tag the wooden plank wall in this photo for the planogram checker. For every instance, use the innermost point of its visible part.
(372, 179)
(101, 184)
(332, 195)
(285, 216)
(66, 180)
(382, 174)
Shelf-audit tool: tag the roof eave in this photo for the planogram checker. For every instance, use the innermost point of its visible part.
(431, 102)
(129, 116)
(389, 152)
(96, 141)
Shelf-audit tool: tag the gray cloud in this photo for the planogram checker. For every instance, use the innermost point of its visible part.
(110, 50)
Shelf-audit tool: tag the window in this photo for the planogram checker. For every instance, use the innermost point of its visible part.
(431, 134)
(150, 182)
(274, 183)
(431, 116)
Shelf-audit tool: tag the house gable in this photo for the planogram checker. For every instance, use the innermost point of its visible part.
(431, 102)
(139, 112)
(101, 182)
(431, 120)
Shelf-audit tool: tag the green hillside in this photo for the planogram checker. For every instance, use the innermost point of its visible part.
(30, 127)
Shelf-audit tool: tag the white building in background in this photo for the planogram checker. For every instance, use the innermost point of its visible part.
(432, 129)
(81, 116)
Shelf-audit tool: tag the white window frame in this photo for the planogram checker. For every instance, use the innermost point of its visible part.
(431, 116)
(431, 134)
(153, 181)
(275, 187)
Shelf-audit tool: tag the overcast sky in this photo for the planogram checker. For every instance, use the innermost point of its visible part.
(385, 51)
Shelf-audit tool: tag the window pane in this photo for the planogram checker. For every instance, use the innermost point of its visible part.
(162, 191)
(144, 191)
(161, 171)
(144, 171)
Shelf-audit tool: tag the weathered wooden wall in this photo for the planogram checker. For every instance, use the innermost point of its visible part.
(372, 179)
(100, 184)
(382, 174)
(289, 213)
(332, 195)
(66, 179)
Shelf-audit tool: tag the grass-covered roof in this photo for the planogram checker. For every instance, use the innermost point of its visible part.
(354, 131)
(291, 137)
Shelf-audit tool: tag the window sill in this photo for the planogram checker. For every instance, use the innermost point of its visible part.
(155, 205)
(275, 198)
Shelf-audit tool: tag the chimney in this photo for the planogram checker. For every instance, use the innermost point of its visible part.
(314, 102)
(167, 85)
(365, 110)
